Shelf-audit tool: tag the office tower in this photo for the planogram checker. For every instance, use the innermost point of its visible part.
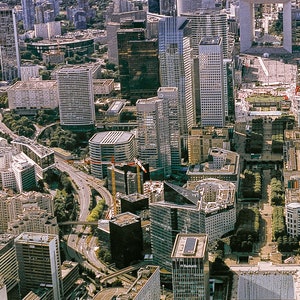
(153, 6)
(25, 174)
(138, 63)
(192, 6)
(39, 263)
(9, 49)
(158, 139)
(176, 68)
(208, 207)
(211, 82)
(108, 146)
(167, 7)
(126, 239)
(28, 11)
(76, 98)
(190, 267)
(293, 218)
(208, 23)
(8, 262)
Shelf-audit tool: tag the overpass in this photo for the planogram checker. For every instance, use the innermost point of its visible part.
(78, 223)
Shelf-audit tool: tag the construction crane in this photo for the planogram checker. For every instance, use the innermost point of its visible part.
(139, 166)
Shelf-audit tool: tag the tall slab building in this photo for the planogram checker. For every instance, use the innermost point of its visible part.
(39, 263)
(211, 75)
(76, 98)
(9, 49)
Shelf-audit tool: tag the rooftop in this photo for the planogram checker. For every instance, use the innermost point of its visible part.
(190, 245)
(111, 137)
(210, 41)
(33, 85)
(125, 219)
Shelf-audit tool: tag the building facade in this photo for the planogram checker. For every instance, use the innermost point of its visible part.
(158, 138)
(9, 48)
(27, 97)
(76, 98)
(175, 57)
(108, 147)
(211, 82)
(126, 239)
(292, 219)
(190, 267)
(43, 249)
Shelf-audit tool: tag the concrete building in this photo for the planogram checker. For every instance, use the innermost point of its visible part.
(208, 23)
(43, 249)
(27, 97)
(33, 219)
(211, 87)
(9, 54)
(103, 86)
(29, 72)
(28, 12)
(8, 262)
(222, 164)
(175, 57)
(247, 23)
(200, 140)
(106, 146)
(3, 291)
(70, 274)
(193, 6)
(24, 171)
(47, 30)
(292, 219)
(76, 98)
(203, 208)
(113, 113)
(53, 57)
(126, 239)
(158, 138)
(190, 267)
(41, 156)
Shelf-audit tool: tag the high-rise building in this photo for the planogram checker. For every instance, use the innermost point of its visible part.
(9, 49)
(126, 239)
(76, 98)
(138, 63)
(207, 23)
(108, 146)
(208, 207)
(8, 262)
(190, 267)
(211, 82)
(193, 6)
(158, 130)
(39, 263)
(3, 291)
(175, 57)
(293, 219)
(28, 13)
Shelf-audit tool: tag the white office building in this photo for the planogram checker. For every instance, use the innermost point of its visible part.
(110, 146)
(76, 98)
(211, 82)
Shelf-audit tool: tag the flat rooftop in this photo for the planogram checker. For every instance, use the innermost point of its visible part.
(125, 219)
(111, 137)
(189, 245)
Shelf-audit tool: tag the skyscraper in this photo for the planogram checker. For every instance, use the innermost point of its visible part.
(39, 262)
(76, 98)
(9, 49)
(158, 132)
(28, 12)
(176, 68)
(138, 63)
(190, 267)
(192, 6)
(211, 82)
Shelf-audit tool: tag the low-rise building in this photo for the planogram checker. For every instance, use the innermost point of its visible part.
(103, 86)
(222, 164)
(27, 97)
